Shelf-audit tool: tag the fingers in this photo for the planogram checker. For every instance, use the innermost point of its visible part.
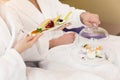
(26, 43)
(89, 24)
(94, 19)
(29, 38)
(89, 19)
(35, 38)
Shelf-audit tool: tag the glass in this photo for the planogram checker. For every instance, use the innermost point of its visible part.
(94, 33)
(90, 43)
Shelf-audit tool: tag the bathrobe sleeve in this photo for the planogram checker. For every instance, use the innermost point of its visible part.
(12, 66)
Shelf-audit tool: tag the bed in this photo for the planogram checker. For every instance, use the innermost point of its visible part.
(66, 58)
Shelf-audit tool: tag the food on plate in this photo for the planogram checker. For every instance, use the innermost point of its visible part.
(44, 23)
(67, 16)
(38, 30)
(50, 24)
(56, 19)
(99, 51)
(92, 52)
(60, 20)
(47, 24)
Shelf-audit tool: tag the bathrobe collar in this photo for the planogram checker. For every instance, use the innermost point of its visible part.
(36, 17)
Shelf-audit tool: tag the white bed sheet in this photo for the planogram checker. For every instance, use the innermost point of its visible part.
(65, 59)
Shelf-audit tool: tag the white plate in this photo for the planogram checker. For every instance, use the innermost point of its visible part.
(77, 56)
(61, 25)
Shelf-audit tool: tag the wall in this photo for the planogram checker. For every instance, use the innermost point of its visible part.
(108, 10)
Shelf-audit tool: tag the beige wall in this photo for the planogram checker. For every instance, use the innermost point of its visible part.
(108, 10)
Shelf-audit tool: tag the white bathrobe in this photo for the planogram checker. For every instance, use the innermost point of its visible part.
(12, 66)
(22, 15)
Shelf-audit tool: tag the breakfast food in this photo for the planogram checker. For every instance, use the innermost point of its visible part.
(36, 31)
(47, 24)
(60, 20)
(56, 19)
(91, 52)
(67, 16)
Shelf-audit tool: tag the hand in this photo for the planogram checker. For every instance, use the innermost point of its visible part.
(64, 39)
(26, 43)
(90, 19)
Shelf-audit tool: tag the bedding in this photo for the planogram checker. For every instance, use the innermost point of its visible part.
(66, 58)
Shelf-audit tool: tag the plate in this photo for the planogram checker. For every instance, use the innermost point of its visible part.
(81, 58)
(59, 27)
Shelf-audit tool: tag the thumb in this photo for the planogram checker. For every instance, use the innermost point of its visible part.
(36, 38)
(29, 38)
(89, 24)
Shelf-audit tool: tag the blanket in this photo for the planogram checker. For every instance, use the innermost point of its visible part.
(66, 58)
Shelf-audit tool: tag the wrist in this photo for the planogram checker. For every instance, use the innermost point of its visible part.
(18, 50)
(51, 43)
(54, 42)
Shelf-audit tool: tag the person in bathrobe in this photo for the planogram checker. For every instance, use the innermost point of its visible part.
(27, 15)
(13, 67)
(13, 21)
(11, 63)
(20, 72)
